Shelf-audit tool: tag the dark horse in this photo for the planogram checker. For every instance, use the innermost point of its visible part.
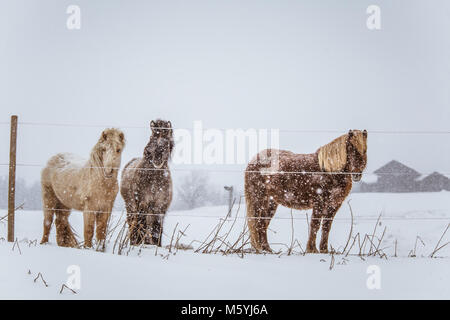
(319, 181)
(146, 186)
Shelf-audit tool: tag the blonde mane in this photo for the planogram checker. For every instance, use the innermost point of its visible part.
(333, 156)
(110, 137)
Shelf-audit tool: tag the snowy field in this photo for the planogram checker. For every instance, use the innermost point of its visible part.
(410, 227)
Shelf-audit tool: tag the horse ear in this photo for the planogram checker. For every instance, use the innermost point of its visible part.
(121, 136)
(152, 124)
(365, 133)
(104, 136)
(169, 123)
(350, 133)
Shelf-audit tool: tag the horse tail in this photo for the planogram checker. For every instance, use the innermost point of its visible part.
(52, 206)
(249, 181)
(253, 185)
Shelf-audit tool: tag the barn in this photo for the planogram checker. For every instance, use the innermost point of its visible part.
(394, 176)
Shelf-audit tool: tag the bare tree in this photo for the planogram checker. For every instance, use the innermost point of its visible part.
(192, 192)
(30, 196)
(195, 190)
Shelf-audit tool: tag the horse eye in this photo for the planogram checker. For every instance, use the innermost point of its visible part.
(118, 150)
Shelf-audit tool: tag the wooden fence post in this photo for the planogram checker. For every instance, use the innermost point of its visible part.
(12, 178)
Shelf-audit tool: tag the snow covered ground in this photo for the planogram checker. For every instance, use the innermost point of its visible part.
(412, 225)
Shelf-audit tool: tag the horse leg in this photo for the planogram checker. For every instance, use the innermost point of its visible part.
(101, 221)
(154, 220)
(64, 233)
(147, 224)
(132, 220)
(50, 202)
(135, 229)
(136, 220)
(257, 223)
(156, 229)
(159, 231)
(89, 222)
(270, 213)
(313, 228)
(326, 227)
(48, 220)
(254, 225)
(139, 230)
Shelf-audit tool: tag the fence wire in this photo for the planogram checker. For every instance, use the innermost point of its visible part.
(302, 216)
(262, 171)
(86, 125)
(228, 217)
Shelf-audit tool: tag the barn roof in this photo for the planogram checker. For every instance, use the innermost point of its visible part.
(396, 168)
(436, 176)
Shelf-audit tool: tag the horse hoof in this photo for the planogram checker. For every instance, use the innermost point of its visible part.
(324, 251)
(257, 250)
(312, 250)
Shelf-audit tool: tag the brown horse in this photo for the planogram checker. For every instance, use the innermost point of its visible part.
(146, 186)
(319, 181)
(69, 182)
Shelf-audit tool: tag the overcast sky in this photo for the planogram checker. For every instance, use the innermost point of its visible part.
(232, 64)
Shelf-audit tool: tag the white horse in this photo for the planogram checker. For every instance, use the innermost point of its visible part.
(89, 186)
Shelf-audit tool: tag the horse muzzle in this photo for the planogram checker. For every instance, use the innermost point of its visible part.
(108, 174)
(158, 165)
(356, 177)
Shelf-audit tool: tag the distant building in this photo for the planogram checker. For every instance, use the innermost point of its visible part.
(396, 177)
(434, 182)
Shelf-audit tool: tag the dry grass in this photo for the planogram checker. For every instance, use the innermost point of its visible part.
(39, 276)
(437, 248)
(66, 287)
(223, 239)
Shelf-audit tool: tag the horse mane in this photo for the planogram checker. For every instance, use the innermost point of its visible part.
(333, 156)
(359, 141)
(113, 136)
(171, 140)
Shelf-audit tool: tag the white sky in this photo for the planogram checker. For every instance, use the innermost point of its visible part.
(232, 64)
